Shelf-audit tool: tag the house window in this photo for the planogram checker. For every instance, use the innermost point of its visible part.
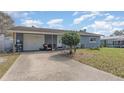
(92, 40)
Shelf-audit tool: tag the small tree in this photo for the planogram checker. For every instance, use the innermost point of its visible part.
(71, 39)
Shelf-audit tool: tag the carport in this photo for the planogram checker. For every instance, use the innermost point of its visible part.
(33, 39)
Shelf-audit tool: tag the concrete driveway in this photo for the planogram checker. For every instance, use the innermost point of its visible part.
(53, 66)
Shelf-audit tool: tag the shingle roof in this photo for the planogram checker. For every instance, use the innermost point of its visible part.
(22, 28)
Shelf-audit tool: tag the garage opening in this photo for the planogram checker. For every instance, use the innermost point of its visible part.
(32, 42)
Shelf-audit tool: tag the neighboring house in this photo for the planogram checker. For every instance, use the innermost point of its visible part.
(113, 41)
(32, 38)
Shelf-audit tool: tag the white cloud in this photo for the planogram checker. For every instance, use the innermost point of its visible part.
(117, 18)
(97, 32)
(109, 18)
(78, 20)
(30, 23)
(116, 28)
(96, 13)
(79, 12)
(21, 15)
(75, 13)
(18, 14)
(91, 15)
(81, 18)
(55, 23)
(101, 25)
(118, 23)
(105, 27)
(106, 14)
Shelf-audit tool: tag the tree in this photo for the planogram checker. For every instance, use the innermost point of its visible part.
(118, 33)
(84, 30)
(71, 39)
(5, 22)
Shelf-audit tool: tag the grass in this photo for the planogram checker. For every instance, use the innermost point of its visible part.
(107, 59)
(10, 59)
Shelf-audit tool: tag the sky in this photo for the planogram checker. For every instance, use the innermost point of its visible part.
(100, 22)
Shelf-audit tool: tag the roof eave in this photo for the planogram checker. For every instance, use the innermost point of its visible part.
(33, 32)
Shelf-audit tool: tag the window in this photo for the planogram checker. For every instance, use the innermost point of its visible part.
(93, 40)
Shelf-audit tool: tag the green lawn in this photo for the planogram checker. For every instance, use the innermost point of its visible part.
(107, 59)
(10, 59)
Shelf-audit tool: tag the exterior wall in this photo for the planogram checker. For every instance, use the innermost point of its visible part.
(41, 39)
(85, 42)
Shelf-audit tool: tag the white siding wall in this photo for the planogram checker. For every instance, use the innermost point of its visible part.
(6, 43)
(1, 42)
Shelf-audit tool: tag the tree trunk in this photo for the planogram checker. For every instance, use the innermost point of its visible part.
(74, 49)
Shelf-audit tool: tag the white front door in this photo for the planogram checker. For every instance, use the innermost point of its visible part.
(33, 42)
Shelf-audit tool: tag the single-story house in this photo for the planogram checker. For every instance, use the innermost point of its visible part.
(113, 41)
(32, 38)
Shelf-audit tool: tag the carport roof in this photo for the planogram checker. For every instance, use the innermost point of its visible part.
(114, 38)
(22, 29)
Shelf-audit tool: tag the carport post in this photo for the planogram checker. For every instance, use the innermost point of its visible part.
(14, 41)
(52, 41)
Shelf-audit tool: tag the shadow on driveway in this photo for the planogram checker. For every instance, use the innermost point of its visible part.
(59, 57)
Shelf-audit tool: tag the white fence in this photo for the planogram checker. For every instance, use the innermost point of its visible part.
(1, 42)
(6, 43)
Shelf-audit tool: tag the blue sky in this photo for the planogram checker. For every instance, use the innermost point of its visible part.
(96, 22)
